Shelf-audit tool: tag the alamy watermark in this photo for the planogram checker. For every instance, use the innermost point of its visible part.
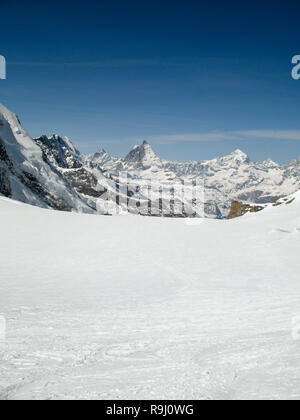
(125, 195)
(2, 67)
(2, 329)
(296, 68)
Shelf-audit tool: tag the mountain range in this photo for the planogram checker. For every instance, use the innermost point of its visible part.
(50, 172)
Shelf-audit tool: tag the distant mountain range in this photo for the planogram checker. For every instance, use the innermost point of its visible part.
(50, 172)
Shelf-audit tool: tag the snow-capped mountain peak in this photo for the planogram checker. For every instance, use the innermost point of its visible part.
(269, 163)
(25, 172)
(239, 155)
(143, 156)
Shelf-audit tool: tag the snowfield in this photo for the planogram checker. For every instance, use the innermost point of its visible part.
(147, 308)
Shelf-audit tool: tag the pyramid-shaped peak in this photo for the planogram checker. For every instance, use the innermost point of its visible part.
(142, 155)
(142, 145)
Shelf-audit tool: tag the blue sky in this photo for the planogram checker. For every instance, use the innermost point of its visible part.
(196, 79)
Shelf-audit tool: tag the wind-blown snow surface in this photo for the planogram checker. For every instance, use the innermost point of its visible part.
(132, 307)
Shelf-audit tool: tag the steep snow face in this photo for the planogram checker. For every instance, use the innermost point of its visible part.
(25, 174)
(132, 308)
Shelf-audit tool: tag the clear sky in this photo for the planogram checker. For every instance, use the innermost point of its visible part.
(197, 79)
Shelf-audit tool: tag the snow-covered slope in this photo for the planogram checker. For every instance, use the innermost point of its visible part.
(139, 308)
(25, 175)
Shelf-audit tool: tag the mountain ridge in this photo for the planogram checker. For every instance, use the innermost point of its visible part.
(79, 181)
(236, 154)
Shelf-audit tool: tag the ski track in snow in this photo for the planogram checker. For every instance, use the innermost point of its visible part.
(138, 308)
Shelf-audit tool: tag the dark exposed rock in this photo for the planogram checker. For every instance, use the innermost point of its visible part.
(286, 200)
(4, 156)
(84, 182)
(258, 197)
(6, 167)
(31, 182)
(59, 152)
(5, 187)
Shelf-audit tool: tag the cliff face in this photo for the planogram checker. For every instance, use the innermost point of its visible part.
(238, 209)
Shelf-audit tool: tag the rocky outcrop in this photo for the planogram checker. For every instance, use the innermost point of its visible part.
(238, 209)
(33, 184)
(5, 167)
(284, 200)
(59, 151)
(84, 182)
(5, 187)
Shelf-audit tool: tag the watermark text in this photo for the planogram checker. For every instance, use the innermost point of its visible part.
(2, 67)
(296, 68)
